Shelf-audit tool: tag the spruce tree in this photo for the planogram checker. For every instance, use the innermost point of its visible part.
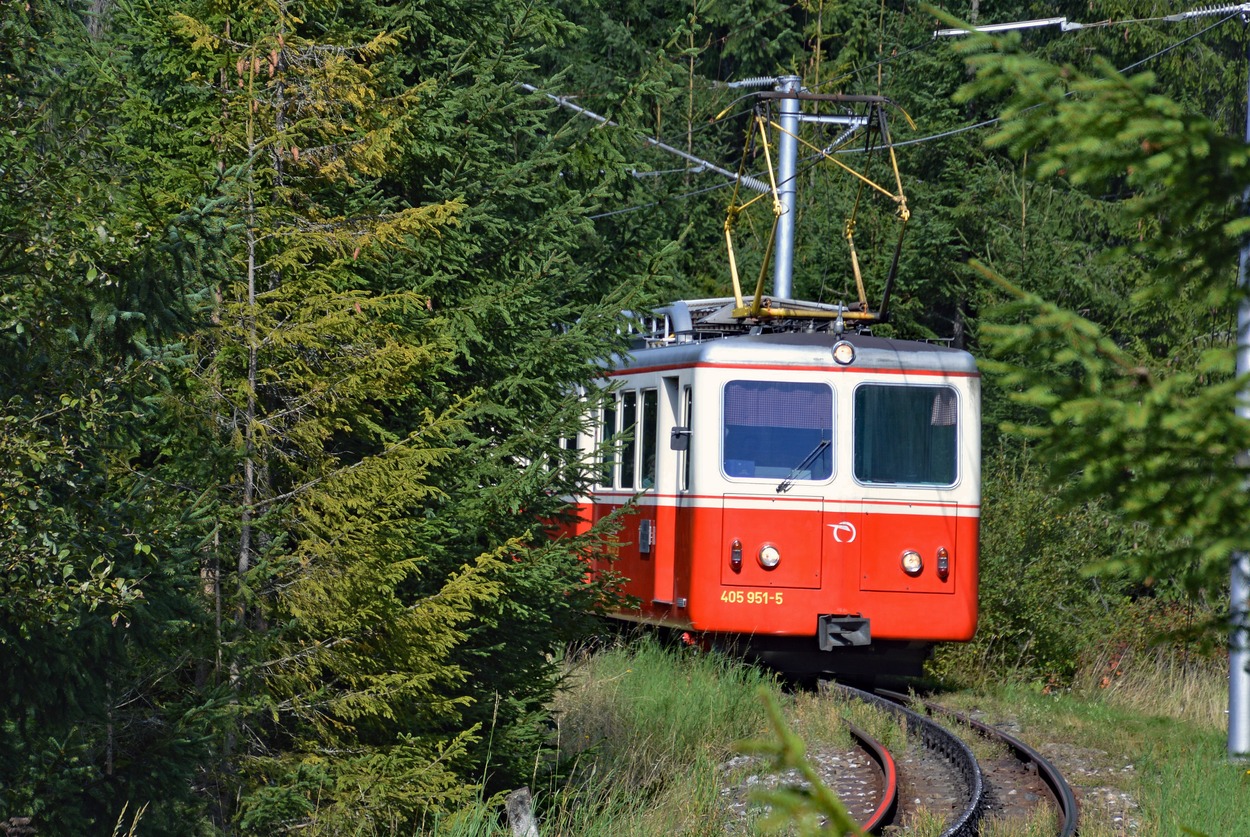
(399, 351)
(338, 632)
(530, 323)
(1143, 419)
(100, 603)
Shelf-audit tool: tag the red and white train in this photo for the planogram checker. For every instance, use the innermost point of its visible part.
(808, 495)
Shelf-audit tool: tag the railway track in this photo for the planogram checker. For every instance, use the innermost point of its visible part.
(1023, 772)
(943, 777)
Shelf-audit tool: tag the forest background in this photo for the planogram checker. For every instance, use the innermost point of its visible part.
(299, 300)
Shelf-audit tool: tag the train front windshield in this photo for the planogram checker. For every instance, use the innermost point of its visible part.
(906, 434)
(778, 430)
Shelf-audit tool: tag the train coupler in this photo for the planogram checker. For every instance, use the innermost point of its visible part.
(833, 632)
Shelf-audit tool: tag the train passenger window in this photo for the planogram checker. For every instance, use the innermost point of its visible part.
(778, 430)
(647, 436)
(905, 434)
(608, 445)
(686, 417)
(629, 427)
(567, 443)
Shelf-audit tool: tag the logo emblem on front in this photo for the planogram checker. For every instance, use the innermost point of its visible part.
(843, 532)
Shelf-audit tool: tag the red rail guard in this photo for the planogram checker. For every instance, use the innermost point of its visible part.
(889, 791)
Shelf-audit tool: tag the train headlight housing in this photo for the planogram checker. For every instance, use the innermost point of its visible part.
(843, 352)
(769, 556)
(912, 564)
(943, 562)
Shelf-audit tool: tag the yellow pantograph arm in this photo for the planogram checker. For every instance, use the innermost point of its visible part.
(899, 198)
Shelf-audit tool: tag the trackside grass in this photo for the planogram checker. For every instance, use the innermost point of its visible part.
(642, 742)
(646, 732)
(644, 735)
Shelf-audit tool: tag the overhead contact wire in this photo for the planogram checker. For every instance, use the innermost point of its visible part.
(944, 134)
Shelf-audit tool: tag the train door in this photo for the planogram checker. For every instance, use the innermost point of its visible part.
(684, 531)
(667, 491)
(605, 443)
(639, 414)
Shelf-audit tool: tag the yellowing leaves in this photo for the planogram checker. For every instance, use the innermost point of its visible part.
(200, 35)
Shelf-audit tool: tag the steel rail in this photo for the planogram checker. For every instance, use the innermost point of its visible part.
(1065, 800)
(944, 742)
(888, 800)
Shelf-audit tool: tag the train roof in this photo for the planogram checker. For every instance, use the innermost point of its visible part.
(697, 333)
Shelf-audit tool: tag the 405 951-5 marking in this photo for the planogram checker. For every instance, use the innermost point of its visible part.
(752, 597)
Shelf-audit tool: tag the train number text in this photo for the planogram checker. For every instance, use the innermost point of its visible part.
(751, 597)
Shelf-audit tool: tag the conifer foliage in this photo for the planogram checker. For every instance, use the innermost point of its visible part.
(302, 302)
(1146, 418)
(341, 680)
(100, 605)
(277, 460)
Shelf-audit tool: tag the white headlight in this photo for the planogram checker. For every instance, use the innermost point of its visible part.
(911, 562)
(769, 557)
(843, 352)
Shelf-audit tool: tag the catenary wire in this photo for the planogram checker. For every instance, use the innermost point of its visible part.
(944, 134)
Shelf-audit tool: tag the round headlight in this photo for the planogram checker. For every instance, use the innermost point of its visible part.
(911, 562)
(843, 352)
(769, 557)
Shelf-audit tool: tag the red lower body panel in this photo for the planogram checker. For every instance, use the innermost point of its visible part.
(698, 565)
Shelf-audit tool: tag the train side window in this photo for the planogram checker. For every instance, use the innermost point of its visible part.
(647, 433)
(687, 417)
(906, 434)
(608, 445)
(778, 430)
(629, 447)
(567, 443)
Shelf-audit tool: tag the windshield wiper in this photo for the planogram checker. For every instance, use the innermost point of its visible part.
(798, 469)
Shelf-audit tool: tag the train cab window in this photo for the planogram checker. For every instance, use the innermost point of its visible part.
(905, 434)
(778, 430)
